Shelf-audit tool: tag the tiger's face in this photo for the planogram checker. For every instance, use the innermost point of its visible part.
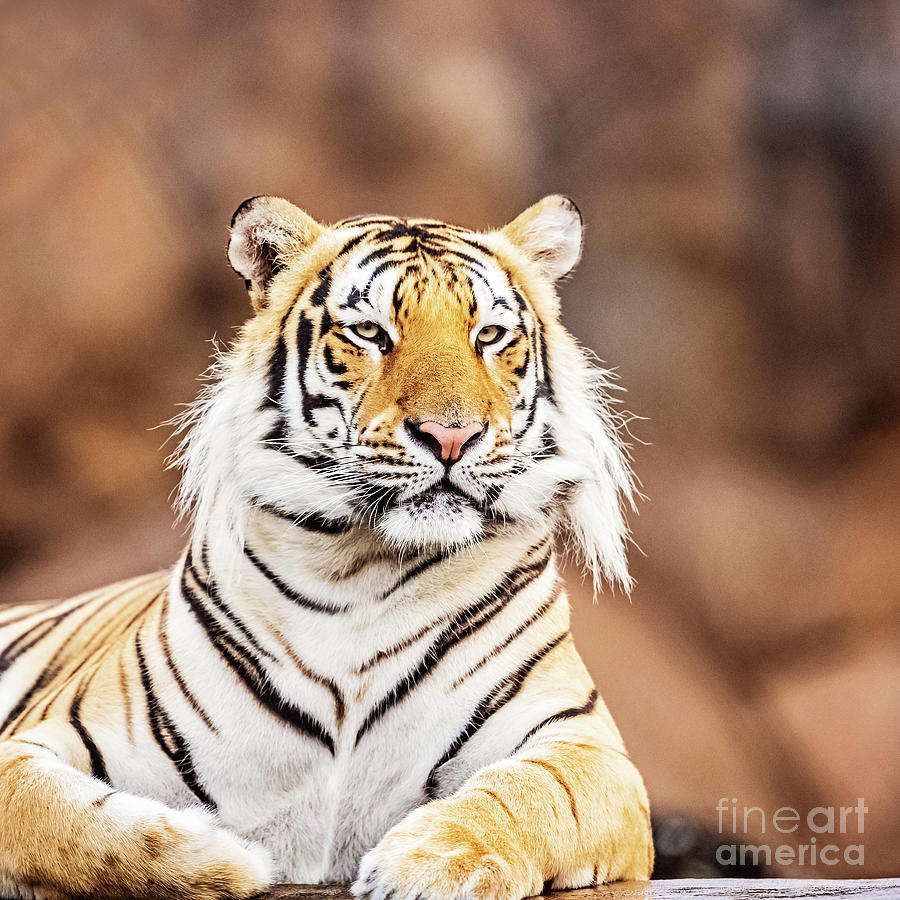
(426, 347)
(432, 359)
(416, 377)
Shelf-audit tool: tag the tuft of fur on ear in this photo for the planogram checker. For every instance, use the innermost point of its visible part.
(266, 232)
(549, 233)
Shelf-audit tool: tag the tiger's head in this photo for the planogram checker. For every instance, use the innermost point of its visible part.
(413, 377)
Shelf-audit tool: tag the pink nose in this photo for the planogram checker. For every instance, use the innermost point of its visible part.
(449, 442)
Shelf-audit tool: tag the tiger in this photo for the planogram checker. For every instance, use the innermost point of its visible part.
(361, 668)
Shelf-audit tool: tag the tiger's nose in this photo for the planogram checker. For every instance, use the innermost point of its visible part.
(447, 443)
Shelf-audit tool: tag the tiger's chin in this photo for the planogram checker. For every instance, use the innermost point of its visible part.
(435, 520)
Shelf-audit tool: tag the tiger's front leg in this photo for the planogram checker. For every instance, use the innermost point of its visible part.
(66, 834)
(566, 809)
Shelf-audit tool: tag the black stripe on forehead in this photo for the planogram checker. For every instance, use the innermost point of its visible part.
(495, 300)
(449, 239)
(384, 250)
(320, 293)
(435, 238)
(322, 289)
(397, 299)
(450, 245)
(441, 250)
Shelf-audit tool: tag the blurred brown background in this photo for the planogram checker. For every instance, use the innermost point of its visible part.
(736, 163)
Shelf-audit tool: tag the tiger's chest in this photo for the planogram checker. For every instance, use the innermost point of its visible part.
(318, 812)
(382, 695)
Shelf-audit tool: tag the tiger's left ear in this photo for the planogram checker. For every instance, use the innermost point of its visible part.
(265, 233)
(550, 233)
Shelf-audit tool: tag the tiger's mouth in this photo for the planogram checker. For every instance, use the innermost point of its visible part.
(444, 496)
(441, 515)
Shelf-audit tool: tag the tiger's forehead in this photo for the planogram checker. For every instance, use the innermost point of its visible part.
(391, 268)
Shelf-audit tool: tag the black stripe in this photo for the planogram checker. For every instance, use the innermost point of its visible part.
(526, 362)
(414, 572)
(289, 592)
(461, 234)
(484, 281)
(275, 370)
(307, 521)
(175, 672)
(549, 445)
(275, 374)
(309, 459)
(398, 228)
(110, 627)
(402, 644)
(48, 673)
(21, 644)
(464, 624)
(439, 243)
(320, 293)
(277, 438)
(340, 336)
(380, 252)
(515, 633)
(252, 674)
(532, 412)
(353, 299)
(333, 366)
(402, 257)
(349, 245)
(491, 703)
(397, 297)
(340, 706)
(569, 713)
(98, 766)
(326, 323)
(310, 402)
(51, 668)
(166, 734)
(212, 592)
(545, 389)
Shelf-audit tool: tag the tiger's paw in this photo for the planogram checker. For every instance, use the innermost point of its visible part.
(436, 854)
(208, 861)
(134, 847)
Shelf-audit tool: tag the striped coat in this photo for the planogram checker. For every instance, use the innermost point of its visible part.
(361, 668)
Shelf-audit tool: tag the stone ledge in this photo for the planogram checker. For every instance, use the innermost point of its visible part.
(676, 889)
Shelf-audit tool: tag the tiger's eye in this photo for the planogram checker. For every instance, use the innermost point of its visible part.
(368, 331)
(490, 334)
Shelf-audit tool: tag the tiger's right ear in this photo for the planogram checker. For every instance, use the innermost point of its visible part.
(265, 233)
